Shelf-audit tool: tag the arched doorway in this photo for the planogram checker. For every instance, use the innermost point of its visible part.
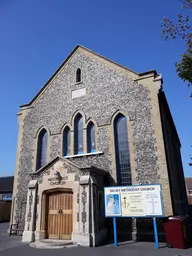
(59, 215)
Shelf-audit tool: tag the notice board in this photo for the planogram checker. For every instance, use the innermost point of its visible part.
(134, 201)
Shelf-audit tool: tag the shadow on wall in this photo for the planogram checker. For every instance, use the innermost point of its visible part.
(145, 230)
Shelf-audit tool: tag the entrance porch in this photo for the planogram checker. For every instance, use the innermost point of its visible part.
(65, 202)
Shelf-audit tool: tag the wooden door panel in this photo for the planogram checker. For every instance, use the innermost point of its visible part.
(66, 216)
(59, 216)
(66, 226)
(53, 224)
(53, 216)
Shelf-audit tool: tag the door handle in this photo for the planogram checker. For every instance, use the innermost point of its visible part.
(60, 211)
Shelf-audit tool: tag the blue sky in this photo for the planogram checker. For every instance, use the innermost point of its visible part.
(36, 36)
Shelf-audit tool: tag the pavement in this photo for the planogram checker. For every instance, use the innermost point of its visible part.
(7, 242)
(13, 245)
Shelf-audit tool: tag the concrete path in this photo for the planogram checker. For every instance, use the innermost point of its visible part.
(139, 249)
(13, 246)
(7, 242)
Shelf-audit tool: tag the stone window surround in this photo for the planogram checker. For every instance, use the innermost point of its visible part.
(66, 132)
(77, 83)
(122, 178)
(72, 138)
(98, 150)
(78, 75)
(78, 135)
(42, 147)
(36, 145)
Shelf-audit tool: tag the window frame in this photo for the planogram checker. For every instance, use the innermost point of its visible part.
(122, 161)
(77, 119)
(40, 151)
(6, 196)
(78, 76)
(90, 140)
(66, 133)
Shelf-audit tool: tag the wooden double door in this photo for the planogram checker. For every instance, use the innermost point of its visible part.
(59, 215)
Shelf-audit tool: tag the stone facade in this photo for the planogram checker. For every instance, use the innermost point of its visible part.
(108, 89)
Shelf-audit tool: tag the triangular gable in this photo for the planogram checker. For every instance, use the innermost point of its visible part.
(51, 163)
(78, 47)
(70, 166)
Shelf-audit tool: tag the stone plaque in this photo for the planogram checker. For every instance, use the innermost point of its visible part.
(78, 93)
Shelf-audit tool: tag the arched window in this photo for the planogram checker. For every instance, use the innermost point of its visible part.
(42, 149)
(78, 75)
(66, 141)
(78, 134)
(122, 151)
(91, 145)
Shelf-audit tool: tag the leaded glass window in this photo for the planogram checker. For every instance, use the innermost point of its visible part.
(79, 134)
(122, 151)
(42, 149)
(66, 141)
(78, 75)
(91, 145)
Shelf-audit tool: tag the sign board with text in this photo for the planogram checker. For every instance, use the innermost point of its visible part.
(134, 201)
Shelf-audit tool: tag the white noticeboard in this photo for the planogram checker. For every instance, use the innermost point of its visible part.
(134, 201)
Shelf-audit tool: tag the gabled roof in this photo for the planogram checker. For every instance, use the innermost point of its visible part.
(60, 158)
(6, 184)
(69, 57)
(51, 163)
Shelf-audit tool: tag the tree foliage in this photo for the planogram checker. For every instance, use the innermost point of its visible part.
(182, 29)
(184, 67)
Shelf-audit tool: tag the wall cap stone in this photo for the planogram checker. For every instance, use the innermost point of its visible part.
(32, 184)
(84, 180)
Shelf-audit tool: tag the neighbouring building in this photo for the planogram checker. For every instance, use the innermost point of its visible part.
(6, 190)
(188, 183)
(95, 123)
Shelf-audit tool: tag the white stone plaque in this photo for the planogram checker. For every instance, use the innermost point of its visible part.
(78, 93)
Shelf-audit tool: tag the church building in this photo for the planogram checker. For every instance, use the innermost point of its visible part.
(94, 124)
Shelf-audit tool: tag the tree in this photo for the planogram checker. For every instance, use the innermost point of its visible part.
(184, 67)
(182, 29)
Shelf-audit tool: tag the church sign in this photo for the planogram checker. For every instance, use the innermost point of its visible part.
(134, 201)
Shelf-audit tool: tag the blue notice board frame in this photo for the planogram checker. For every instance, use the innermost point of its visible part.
(118, 214)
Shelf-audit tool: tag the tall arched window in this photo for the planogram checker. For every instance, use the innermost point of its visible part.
(78, 75)
(91, 145)
(42, 149)
(122, 151)
(66, 141)
(78, 134)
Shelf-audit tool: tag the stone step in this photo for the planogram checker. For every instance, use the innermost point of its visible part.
(52, 244)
